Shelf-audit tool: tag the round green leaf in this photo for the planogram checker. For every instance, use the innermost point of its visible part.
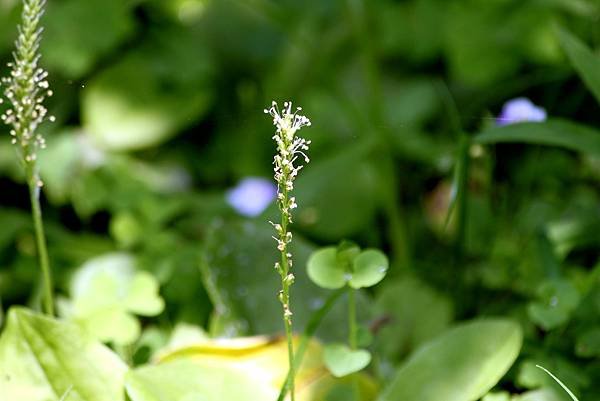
(461, 365)
(324, 270)
(369, 268)
(341, 360)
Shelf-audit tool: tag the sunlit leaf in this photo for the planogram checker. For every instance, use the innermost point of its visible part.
(342, 361)
(324, 270)
(333, 268)
(107, 291)
(224, 370)
(368, 269)
(41, 358)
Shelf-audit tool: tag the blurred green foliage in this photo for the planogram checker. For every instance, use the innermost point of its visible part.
(158, 109)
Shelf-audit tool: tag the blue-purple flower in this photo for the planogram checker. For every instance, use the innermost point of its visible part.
(520, 110)
(251, 196)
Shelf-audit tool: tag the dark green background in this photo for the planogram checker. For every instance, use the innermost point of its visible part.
(159, 111)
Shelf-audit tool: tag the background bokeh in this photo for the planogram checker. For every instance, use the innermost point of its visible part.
(159, 112)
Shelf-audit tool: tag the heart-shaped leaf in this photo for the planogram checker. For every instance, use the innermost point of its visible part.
(324, 269)
(368, 269)
(342, 361)
(461, 365)
(335, 267)
(107, 291)
(42, 358)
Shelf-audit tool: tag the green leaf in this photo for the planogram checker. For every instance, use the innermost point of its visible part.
(235, 369)
(585, 62)
(333, 267)
(554, 132)
(368, 269)
(406, 301)
(461, 365)
(150, 94)
(194, 380)
(542, 394)
(557, 299)
(41, 358)
(107, 291)
(324, 270)
(342, 361)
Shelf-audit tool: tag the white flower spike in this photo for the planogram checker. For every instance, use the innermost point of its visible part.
(289, 148)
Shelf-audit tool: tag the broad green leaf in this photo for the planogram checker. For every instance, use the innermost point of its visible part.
(342, 361)
(585, 62)
(323, 269)
(107, 291)
(406, 301)
(461, 365)
(194, 380)
(41, 358)
(150, 94)
(368, 269)
(554, 132)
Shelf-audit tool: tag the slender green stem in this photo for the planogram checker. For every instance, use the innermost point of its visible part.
(40, 239)
(352, 326)
(309, 331)
(285, 286)
(353, 335)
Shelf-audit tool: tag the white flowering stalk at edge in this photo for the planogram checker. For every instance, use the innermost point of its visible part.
(289, 148)
(26, 89)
